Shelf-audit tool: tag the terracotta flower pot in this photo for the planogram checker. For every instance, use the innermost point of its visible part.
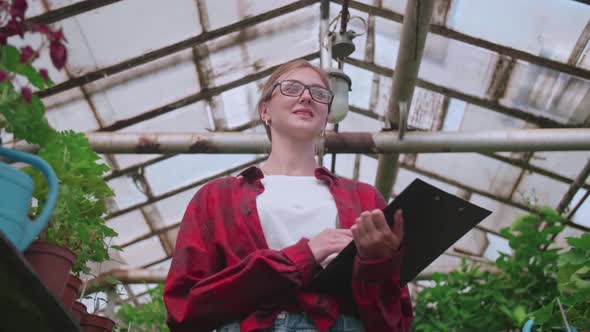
(71, 291)
(95, 323)
(52, 264)
(78, 310)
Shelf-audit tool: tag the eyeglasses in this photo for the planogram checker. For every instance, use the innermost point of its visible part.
(295, 89)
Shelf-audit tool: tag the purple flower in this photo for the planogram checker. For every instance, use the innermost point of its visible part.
(27, 54)
(19, 7)
(58, 53)
(16, 27)
(27, 94)
(43, 72)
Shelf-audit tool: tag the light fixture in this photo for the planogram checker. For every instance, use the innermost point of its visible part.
(342, 45)
(341, 85)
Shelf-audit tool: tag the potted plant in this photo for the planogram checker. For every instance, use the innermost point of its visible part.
(77, 222)
(96, 323)
(90, 320)
(77, 232)
(78, 311)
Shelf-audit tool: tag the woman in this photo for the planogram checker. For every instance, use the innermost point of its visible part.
(249, 245)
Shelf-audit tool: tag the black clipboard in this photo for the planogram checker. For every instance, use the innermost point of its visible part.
(433, 221)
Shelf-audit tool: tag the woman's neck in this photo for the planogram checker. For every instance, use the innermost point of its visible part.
(290, 157)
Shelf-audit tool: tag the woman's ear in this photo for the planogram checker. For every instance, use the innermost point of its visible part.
(263, 111)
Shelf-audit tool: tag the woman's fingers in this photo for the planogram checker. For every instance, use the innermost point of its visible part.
(343, 231)
(373, 236)
(365, 224)
(379, 222)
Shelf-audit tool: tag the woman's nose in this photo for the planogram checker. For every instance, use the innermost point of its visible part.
(305, 96)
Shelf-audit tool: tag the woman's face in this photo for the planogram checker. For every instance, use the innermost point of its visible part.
(297, 117)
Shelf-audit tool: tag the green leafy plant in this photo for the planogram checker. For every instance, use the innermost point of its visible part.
(78, 219)
(573, 278)
(149, 316)
(454, 303)
(470, 299)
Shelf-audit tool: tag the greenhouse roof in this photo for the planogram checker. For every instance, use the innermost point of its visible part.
(197, 67)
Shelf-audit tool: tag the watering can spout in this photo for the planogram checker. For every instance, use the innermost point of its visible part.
(16, 190)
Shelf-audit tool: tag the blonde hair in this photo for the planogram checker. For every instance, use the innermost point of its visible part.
(267, 89)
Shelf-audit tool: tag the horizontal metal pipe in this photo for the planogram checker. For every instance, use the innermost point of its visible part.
(562, 139)
(142, 276)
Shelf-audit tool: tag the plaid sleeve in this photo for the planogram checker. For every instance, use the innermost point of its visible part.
(382, 304)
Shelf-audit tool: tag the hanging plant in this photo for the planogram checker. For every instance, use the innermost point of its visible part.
(77, 221)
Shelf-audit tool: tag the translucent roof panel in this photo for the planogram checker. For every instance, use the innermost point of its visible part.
(582, 216)
(524, 24)
(169, 79)
(148, 31)
(473, 170)
(190, 168)
(549, 93)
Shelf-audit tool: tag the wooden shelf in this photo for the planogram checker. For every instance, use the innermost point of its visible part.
(25, 303)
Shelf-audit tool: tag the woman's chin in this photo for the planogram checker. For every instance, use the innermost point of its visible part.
(303, 133)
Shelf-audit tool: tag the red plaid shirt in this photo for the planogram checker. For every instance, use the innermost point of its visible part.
(223, 270)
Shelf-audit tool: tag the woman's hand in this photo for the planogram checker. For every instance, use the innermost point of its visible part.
(328, 242)
(373, 237)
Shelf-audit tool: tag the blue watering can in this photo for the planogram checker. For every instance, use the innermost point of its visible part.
(528, 327)
(16, 190)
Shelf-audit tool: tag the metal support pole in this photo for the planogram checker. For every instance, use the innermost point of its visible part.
(569, 195)
(573, 189)
(413, 38)
(324, 26)
(349, 142)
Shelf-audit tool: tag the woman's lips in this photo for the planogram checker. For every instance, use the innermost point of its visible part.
(304, 113)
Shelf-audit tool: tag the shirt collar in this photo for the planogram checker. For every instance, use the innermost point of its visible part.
(253, 173)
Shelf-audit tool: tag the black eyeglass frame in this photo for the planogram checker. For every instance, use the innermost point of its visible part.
(305, 87)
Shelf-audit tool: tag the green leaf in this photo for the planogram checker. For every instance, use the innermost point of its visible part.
(543, 315)
(583, 242)
(32, 75)
(519, 315)
(505, 310)
(526, 220)
(551, 215)
(111, 280)
(10, 57)
(151, 315)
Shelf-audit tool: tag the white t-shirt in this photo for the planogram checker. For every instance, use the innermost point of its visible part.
(292, 207)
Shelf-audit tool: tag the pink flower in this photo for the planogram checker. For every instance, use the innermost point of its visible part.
(16, 27)
(42, 28)
(43, 72)
(57, 36)
(59, 54)
(3, 76)
(27, 94)
(27, 54)
(19, 7)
